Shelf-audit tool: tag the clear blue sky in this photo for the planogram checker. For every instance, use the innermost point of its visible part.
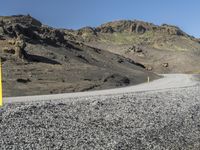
(78, 13)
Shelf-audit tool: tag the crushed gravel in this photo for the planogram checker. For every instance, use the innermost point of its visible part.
(154, 120)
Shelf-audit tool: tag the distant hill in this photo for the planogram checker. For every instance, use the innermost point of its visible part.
(38, 59)
(162, 49)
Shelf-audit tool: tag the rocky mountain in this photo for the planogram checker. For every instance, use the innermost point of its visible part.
(162, 49)
(37, 59)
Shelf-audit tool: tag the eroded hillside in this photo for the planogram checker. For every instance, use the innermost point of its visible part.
(38, 59)
(162, 49)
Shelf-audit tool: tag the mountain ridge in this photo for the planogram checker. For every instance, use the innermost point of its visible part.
(142, 42)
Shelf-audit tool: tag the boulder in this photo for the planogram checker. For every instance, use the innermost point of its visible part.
(8, 50)
(165, 65)
(136, 49)
(149, 68)
(118, 79)
(140, 29)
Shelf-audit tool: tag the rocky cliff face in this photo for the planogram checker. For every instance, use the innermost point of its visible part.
(129, 26)
(20, 19)
(138, 27)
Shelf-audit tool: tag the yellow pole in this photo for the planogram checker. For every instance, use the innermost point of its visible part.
(1, 95)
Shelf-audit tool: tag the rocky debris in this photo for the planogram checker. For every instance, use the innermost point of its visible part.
(15, 30)
(136, 63)
(165, 65)
(83, 58)
(136, 49)
(149, 68)
(141, 55)
(172, 30)
(51, 36)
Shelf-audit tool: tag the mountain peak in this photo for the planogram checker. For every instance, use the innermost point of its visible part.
(20, 19)
(128, 25)
(138, 27)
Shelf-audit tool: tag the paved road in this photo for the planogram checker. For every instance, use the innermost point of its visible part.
(168, 81)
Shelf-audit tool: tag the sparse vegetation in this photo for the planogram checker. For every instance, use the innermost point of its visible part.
(46, 53)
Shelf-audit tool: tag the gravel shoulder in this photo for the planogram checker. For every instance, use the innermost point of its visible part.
(168, 81)
(167, 118)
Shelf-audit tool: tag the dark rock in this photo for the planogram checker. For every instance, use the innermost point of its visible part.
(136, 49)
(165, 65)
(83, 58)
(118, 79)
(3, 59)
(120, 61)
(51, 36)
(23, 80)
(8, 50)
(140, 29)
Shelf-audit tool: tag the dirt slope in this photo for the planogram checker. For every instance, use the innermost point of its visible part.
(162, 49)
(38, 59)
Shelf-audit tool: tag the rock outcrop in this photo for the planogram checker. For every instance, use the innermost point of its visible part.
(19, 48)
(139, 27)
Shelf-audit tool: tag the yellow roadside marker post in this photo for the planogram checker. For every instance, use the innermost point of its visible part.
(1, 95)
(148, 79)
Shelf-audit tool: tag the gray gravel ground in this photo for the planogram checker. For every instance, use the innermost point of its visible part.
(166, 119)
